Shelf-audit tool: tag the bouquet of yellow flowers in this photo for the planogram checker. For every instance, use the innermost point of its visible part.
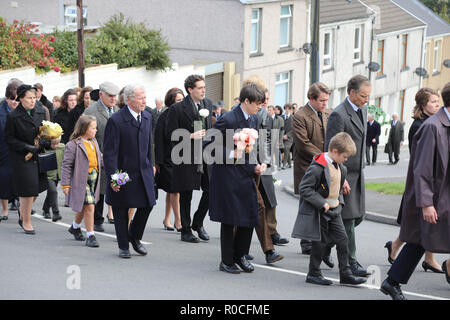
(50, 130)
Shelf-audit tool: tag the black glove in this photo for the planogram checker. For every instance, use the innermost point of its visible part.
(45, 143)
(31, 148)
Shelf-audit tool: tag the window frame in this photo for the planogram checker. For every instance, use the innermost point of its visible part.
(328, 56)
(289, 26)
(404, 51)
(259, 31)
(360, 42)
(381, 63)
(402, 103)
(69, 15)
(282, 81)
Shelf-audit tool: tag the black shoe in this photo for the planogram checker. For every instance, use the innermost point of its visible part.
(168, 228)
(32, 212)
(245, 265)
(124, 253)
(396, 161)
(367, 163)
(189, 237)
(47, 215)
(13, 206)
(248, 257)
(351, 279)
(110, 221)
(320, 280)
(394, 291)
(99, 227)
(20, 223)
(137, 246)
(92, 242)
(358, 270)
(328, 260)
(230, 269)
(426, 266)
(31, 232)
(78, 235)
(388, 246)
(273, 256)
(444, 268)
(278, 240)
(56, 216)
(4, 218)
(202, 234)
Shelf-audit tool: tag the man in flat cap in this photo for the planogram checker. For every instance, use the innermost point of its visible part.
(102, 110)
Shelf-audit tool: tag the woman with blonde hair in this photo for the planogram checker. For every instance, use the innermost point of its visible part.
(80, 170)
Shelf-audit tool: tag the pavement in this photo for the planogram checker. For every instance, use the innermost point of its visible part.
(380, 208)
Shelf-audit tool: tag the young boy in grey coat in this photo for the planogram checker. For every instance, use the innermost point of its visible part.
(319, 218)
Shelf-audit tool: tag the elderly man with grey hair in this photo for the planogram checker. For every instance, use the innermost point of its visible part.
(128, 147)
(395, 140)
(102, 110)
(372, 139)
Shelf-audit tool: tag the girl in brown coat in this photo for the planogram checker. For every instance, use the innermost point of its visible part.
(79, 177)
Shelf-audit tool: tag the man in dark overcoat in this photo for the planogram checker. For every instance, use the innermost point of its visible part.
(395, 140)
(128, 147)
(238, 214)
(192, 174)
(372, 139)
(351, 117)
(426, 205)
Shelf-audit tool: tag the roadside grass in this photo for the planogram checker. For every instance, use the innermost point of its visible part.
(396, 188)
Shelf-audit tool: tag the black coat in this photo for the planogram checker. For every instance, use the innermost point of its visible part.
(413, 129)
(181, 115)
(5, 161)
(163, 178)
(232, 188)
(21, 130)
(73, 117)
(62, 117)
(373, 132)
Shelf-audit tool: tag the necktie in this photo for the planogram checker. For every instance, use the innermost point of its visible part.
(359, 112)
(139, 120)
(319, 114)
(110, 112)
(335, 164)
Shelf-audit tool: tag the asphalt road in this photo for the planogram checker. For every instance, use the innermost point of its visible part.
(52, 265)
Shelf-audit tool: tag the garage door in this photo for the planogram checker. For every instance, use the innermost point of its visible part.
(214, 86)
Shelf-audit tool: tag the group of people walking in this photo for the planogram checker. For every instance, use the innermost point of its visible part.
(106, 139)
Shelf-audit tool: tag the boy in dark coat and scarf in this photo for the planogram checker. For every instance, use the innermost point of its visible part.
(319, 217)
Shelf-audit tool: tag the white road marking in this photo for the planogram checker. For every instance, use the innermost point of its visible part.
(337, 280)
(40, 217)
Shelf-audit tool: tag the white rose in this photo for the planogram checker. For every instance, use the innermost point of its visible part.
(277, 183)
(114, 177)
(204, 113)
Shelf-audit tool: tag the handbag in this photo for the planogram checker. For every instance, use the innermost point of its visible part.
(47, 161)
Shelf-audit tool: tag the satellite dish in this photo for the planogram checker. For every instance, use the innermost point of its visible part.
(307, 48)
(421, 72)
(373, 67)
(447, 63)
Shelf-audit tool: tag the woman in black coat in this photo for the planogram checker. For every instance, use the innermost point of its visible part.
(427, 104)
(22, 127)
(62, 116)
(164, 164)
(83, 102)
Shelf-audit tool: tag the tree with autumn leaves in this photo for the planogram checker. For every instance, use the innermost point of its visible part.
(22, 45)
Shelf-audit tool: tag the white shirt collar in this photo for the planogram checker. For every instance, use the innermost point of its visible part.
(315, 111)
(327, 157)
(355, 107)
(134, 114)
(246, 116)
(448, 113)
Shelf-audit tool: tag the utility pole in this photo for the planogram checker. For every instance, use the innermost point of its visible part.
(315, 22)
(80, 43)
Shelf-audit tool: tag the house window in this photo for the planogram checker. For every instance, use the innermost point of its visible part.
(401, 104)
(378, 102)
(358, 44)
(282, 88)
(285, 26)
(327, 50)
(255, 40)
(437, 56)
(70, 16)
(404, 51)
(380, 57)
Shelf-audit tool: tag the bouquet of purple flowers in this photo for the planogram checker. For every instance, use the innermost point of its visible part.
(119, 178)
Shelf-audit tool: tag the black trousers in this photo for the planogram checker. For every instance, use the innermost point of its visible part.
(51, 200)
(202, 210)
(406, 262)
(98, 213)
(374, 153)
(332, 230)
(137, 225)
(234, 242)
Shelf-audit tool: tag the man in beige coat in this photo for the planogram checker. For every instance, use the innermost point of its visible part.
(308, 128)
